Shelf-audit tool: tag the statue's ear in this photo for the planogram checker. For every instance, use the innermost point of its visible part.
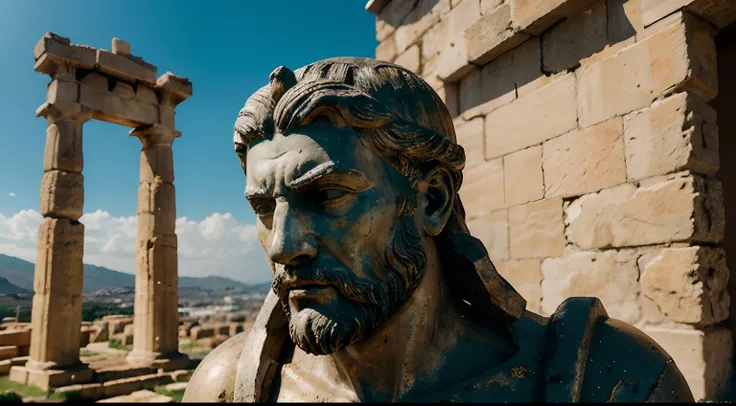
(435, 200)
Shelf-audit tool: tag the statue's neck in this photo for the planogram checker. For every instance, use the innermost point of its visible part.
(422, 347)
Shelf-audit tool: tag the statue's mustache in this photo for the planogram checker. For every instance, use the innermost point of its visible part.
(347, 284)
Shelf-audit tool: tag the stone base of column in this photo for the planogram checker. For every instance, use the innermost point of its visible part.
(165, 362)
(51, 378)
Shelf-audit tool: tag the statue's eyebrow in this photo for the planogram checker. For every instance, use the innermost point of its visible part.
(328, 171)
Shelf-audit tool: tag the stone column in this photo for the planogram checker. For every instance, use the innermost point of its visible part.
(156, 332)
(57, 301)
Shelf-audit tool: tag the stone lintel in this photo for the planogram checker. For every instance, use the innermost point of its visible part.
(155, 134)
(375, 6)
(53, 50)
(125, 67)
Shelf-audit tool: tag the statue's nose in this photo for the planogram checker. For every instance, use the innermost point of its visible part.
(292, 240)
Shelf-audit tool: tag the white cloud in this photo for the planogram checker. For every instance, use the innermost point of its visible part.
(217, 245)
(11, 194)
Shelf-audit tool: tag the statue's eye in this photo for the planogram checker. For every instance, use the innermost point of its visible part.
(327, 195)
(264, 207)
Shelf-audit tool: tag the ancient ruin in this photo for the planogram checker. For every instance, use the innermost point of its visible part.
(595, 164)
(116, 87)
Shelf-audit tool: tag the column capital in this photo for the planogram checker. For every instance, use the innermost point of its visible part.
(155, 134)
(61, 110)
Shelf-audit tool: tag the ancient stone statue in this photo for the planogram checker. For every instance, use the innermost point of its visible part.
(380, 293)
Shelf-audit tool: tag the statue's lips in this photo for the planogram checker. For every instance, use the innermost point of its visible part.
(309, 291)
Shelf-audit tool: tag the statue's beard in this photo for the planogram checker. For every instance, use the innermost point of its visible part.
(369, 302)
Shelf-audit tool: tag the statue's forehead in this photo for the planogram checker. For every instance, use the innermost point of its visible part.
(284, 158)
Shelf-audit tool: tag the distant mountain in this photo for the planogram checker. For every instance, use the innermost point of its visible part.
(18, 273)
(7, 287)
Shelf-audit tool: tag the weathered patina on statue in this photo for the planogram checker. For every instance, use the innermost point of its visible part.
(380, 293)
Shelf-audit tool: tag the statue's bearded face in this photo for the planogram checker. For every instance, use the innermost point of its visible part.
(335, 221)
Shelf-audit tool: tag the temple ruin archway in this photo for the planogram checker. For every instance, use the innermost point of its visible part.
(115, 87)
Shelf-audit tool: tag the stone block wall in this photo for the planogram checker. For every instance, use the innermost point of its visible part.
(591, 153)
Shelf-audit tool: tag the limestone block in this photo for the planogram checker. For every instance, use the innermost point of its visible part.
(452, 61)
(679, 207)
(54, 50)
(462, 16)
(59, 258)
(98, 335)
(128, 385)
(527, 68)
(179, 87)
(199, 332)
(8, 351)
(128, 330)
(681, 57)
(386, 50)
(418, 20)
(5, 366)
(55, 378)
(535, 16)
(470, 94)
(140, 396)
(166, 116)
(120, 47)
(470, 137)
(703, 356)
(86, 391)
(584, 161)
(161, 220)
(117, 110)
(575, 39)
(62, 91)
(677, 133)
(125, 68)
(492, 36)
(719, 13)
(146, 94)
(222, 329)
(235, 329)
(433, 39)
(84, 339)
(410, 59)
(96, 81)
(611, 276)
(182, 375)
(391, 17)
(62, 194)
(688, 285)
(63, 147)
(554, 112)
(486, 6)
(16, 338)
(123, 90)
(526, 277)
(496, 87)
(536, 229)
(482, 189)
(492, 230)
(523, 176)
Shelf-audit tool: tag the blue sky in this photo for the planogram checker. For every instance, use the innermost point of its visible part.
(227, 49)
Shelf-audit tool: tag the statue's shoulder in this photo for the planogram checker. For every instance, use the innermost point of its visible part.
(214, 378)
(593, 358)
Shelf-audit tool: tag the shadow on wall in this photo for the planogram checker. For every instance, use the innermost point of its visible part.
(559, 49)
(394, 14)
(724, 105)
